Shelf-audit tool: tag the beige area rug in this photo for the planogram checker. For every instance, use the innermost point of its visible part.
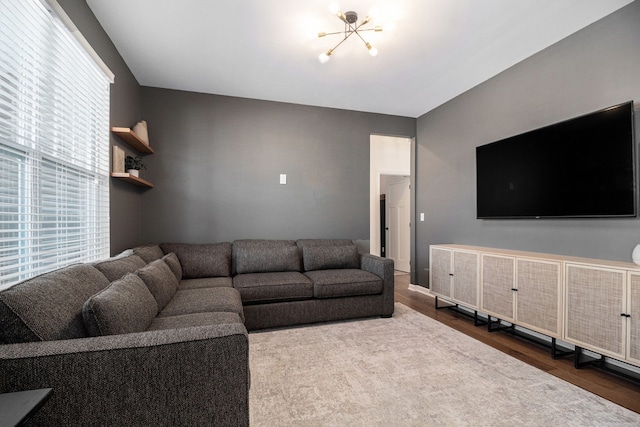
(409, 370)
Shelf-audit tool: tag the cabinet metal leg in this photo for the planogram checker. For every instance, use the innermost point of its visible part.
(579, 363)
(495, 326)
(454, 307)
(556, 354)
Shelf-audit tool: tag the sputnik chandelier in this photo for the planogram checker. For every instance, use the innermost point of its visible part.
(351, 27)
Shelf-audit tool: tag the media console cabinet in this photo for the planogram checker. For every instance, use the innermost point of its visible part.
(590, 303)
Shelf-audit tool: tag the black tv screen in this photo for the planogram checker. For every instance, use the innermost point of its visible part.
(579, 168)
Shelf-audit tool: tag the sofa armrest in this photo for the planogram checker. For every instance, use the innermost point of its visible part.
(383, 268)
(190, 376)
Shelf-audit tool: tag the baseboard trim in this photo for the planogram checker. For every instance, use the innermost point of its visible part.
(420, 289)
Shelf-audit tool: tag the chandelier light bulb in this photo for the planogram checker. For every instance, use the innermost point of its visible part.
(334, 8)
(372, 50)
(324, 56)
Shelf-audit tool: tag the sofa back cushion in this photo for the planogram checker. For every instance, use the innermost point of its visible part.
(116, 268)
(202, 260)
(160, 280)
(323, 242)
(49, 307)
(124, 306)
(330, 257)
(174, 264)
(264, 256)
(149, 253)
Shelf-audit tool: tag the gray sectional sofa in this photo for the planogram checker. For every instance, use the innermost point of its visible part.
(158, 334)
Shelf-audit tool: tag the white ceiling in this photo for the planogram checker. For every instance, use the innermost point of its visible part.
(429, 52)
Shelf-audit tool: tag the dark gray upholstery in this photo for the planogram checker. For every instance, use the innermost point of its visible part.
(329, 257)
(149, 253)
(265, 287)
(276, 314)
(255, 244)
(191, 365)
(124, 306)
(262, 259)
(203, 300)
(174, 264)
(303, 243)
(209, 282)
(49, 306)
(196, 376)
(160, 280)
(194, 319)
(201, 260)
(344, 282)
(115, 268)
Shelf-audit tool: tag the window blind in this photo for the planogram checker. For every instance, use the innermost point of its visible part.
(54, 146)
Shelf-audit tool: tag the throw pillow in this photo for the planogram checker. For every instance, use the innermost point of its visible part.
(115, 268)
(330, 257)
(149, 253)
(124, 306)
(160, 280)
(174, 264)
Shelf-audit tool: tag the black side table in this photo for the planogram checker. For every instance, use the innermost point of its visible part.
(16, 408)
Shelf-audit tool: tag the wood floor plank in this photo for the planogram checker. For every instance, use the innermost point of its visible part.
(608, 385)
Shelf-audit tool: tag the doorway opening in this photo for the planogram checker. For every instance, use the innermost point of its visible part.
(390, 219)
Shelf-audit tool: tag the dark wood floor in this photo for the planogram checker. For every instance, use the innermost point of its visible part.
(608, 385)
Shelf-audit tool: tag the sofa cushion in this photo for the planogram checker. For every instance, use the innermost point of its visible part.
(49, 306)
(330, 257)
(302, 243)
(209, 282)
(188, 301)
(344, 282)
(259, 244)
(201, 260)
(125, 306)
(160, 280)
(282, 286)
(194, 319)
(149, 253)
(267, 259)
(174, 264)
(115, 268)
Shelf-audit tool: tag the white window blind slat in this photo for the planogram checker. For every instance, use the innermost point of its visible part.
(54, 145)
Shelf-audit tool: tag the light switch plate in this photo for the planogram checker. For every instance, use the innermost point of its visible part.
(421, 216)
(283, 178)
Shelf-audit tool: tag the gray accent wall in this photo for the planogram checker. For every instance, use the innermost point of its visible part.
(589, 70)
(218, 161)
(126, 215)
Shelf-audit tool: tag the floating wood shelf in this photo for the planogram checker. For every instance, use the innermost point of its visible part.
(128, 136)
(132, 179)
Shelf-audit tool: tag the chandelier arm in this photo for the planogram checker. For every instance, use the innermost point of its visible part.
(363, 40)
(334, 33)
(342, 41)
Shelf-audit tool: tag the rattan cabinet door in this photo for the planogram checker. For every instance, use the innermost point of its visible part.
(633, 322)
(465, 278)
(594, 302)
(440, 271)
(498, 284)
(538, 301)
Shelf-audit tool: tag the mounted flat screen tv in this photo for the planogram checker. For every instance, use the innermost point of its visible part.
(579, 168)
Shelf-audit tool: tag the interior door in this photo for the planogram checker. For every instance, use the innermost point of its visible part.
(399, 244)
